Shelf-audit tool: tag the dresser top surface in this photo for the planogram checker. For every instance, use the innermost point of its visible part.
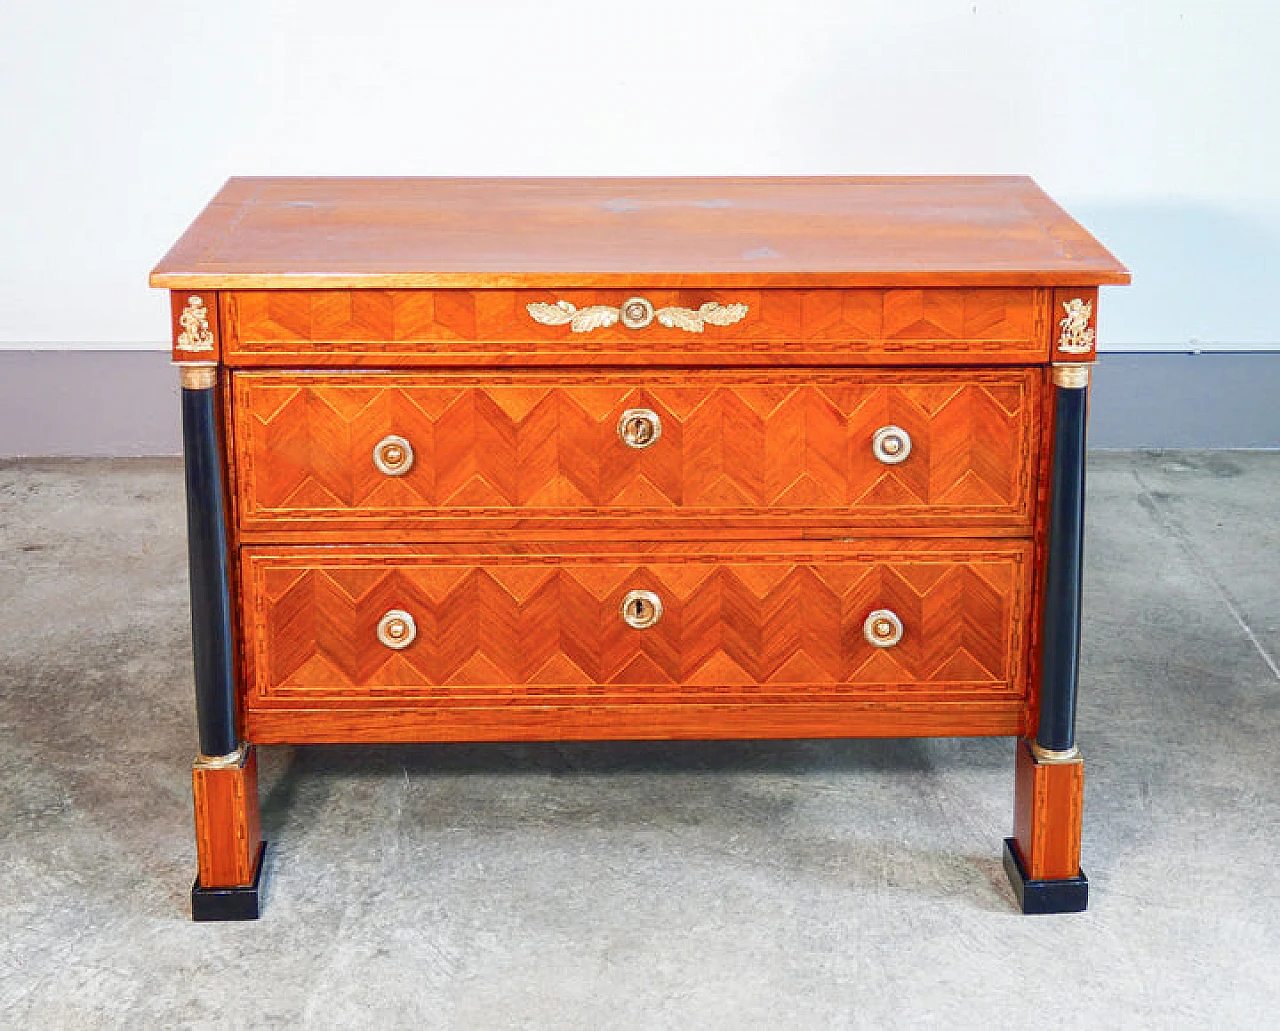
(676, 232)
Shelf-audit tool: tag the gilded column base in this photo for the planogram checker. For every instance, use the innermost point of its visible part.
(1053, 756)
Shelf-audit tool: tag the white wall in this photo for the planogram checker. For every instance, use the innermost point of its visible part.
(1155, 123)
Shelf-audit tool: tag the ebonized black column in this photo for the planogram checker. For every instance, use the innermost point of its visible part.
(1061, 657)
(207, 555)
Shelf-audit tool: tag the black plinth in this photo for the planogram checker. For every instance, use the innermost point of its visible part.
(1065, 895)
(240, 903)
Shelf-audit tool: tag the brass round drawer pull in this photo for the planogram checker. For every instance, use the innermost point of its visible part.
(397, 629)
(891, 444)
(641, 609)
(393, 455)
(639, 427)
(883, 628)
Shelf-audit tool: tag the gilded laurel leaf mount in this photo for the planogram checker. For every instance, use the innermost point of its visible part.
(580, 320)
(196, 334)
(710, 314)
(635, 313)
(1077, 336)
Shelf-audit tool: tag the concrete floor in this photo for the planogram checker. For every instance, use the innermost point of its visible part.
(739, 885)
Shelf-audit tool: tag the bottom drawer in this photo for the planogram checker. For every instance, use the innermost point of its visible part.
(681, 641)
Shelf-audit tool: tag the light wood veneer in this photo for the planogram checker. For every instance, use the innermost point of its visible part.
(537, 451)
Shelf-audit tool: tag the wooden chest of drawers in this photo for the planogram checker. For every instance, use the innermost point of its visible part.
(587, 459)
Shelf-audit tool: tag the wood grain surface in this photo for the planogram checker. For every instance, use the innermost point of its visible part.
(228, 825)
(685, 233)
(542, 451)
(745, 625)
(1048, 805)
(644, 721)
(1040, 539)
(988, 326)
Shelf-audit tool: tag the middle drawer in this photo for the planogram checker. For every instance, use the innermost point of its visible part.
(639, 452)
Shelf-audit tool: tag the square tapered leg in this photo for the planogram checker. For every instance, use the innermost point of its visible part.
(229, 844)
(1042, 858)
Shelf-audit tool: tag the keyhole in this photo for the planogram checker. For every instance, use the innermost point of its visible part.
(640, 609)
(639, 427)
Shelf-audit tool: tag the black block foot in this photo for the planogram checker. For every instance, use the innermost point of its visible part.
(1065, 895)
(240, 903)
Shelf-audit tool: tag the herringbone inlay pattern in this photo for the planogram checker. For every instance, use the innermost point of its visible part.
(548, 445)
(504, 627)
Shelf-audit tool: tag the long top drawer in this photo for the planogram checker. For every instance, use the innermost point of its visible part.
(955, 326)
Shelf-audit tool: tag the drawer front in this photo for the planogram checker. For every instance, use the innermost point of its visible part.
(981, 326)
(538, 451)
(539, 626)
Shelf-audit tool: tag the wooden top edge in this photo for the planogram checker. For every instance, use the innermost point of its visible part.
(238, 181)
(554, 233)
(632, 280)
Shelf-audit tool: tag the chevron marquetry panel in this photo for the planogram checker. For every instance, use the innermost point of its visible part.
(901, 326)
(498, 629)
(733, 445)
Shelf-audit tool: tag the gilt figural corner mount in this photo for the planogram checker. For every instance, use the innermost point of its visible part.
(1077, 336)
(195, 333)
(640, 459)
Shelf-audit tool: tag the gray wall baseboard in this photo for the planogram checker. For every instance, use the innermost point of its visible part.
(1205, 399)
(125, 403)
(88, 404)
